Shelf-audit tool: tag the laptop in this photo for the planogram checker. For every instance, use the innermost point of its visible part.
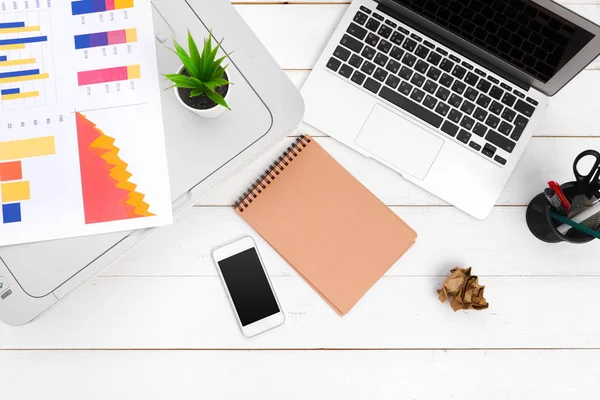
(446, 92)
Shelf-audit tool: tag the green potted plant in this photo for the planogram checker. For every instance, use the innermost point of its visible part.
(201, 84)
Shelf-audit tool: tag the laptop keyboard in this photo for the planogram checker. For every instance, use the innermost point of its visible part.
(443, 90)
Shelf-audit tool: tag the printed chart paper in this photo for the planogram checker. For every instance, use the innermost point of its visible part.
(82, 148)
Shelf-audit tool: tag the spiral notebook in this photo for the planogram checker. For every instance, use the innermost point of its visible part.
(325, 223)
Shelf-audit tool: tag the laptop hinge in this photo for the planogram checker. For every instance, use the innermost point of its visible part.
(390, 8)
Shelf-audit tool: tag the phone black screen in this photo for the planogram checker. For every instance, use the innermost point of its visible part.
(249, 288)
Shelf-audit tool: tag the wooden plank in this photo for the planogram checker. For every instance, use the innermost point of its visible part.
(297, 34)
(501, 245)
(545, 159)
(398, 313)
(298, 375)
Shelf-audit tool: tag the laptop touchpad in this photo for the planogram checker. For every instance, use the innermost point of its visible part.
(396, 141)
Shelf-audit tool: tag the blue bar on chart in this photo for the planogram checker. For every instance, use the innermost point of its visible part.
(10, 91)
(82, 7)
(7, 25)
(3, 58)
(34, 39)
(19, 73)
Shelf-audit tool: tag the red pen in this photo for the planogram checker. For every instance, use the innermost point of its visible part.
(556, 187)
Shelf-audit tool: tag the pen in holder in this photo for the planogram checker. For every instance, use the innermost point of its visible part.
(544, 227)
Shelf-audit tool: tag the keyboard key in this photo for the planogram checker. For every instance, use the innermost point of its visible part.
(496, 93)
(405, 73)
(446, 80)
(455, 116)
(532, 101)
(463, 136)
(518, 94)
(475, 146)
(484, 85)
(385, 31)
(417, 80)
(494, 80)
(471, 79)
(505, 86)
(524, 108)
(508, 114)
(342, 53)
(355, 60)
(411, 107)
(417, 95)
(365, 9)
(483, 101)
(441, 51)
(479, 129)
(421, 66)
(409, 45)
(459, 72)
(467, 122)
(500, 160)
(442, 109)
(496, 107)
(393, 67)
(434, 58)
(488, 150)
(467, 107)
(422, 51)
(520, 124)
(368, 68)
(430, 86)
(333, 64)
(372, 39)
(380, 74)
(351, 43)
(429, 102)
(429, 44)
(505, 128)
(409, 59)
(381, 59)
(372, 85)
(379, 17)
(405, 88)
(454, 58)
(471, 94)
(368, 53)
(397, 38)
(357, 31)
(358, 77)
(433, 73)
(467, 65)
(508, 99)
(346, 71)
(397, 53)
(459, 87)
(480, 114)
(492, 121)
(480, 72)
(449, 128)
(384, 46)
(455, 100)
(392, 81)
(373, 25)
(501, 141)
(405, 31)
(360, 18)
(442, 94)
(416, 37)
(390, 23)
(446, 65)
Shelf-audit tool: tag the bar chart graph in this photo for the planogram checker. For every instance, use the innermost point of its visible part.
(111, 38)
(108, 75)
(82, 7)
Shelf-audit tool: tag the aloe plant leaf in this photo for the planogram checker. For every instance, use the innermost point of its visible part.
(194, 53)
(185, 59)
(217, 98)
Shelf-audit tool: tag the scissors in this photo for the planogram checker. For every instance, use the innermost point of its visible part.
(588, 185)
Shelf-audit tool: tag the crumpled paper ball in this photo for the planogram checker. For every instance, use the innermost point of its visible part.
(464, 291)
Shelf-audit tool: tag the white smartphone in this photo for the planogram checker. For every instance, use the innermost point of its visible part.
(248, 287)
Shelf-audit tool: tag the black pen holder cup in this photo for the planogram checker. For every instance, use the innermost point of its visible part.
(544, 227)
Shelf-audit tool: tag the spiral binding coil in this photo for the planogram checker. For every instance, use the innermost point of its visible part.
(272, 172)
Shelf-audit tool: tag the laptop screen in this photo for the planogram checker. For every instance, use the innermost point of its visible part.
(526, 35)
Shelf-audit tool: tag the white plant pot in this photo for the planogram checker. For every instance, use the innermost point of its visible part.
(206, 113)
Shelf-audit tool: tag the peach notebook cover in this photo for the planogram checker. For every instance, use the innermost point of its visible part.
(325, 223)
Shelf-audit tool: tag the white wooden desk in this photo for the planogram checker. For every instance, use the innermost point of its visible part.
(156, 324)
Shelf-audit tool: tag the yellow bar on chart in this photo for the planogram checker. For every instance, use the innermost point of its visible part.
(24, 78)
(27, 148)
(12, 47)
(23, 61)
(134, 72)
(121, 4)
(24, 95)
(15, 191)
(131, 35)
(19, 30)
